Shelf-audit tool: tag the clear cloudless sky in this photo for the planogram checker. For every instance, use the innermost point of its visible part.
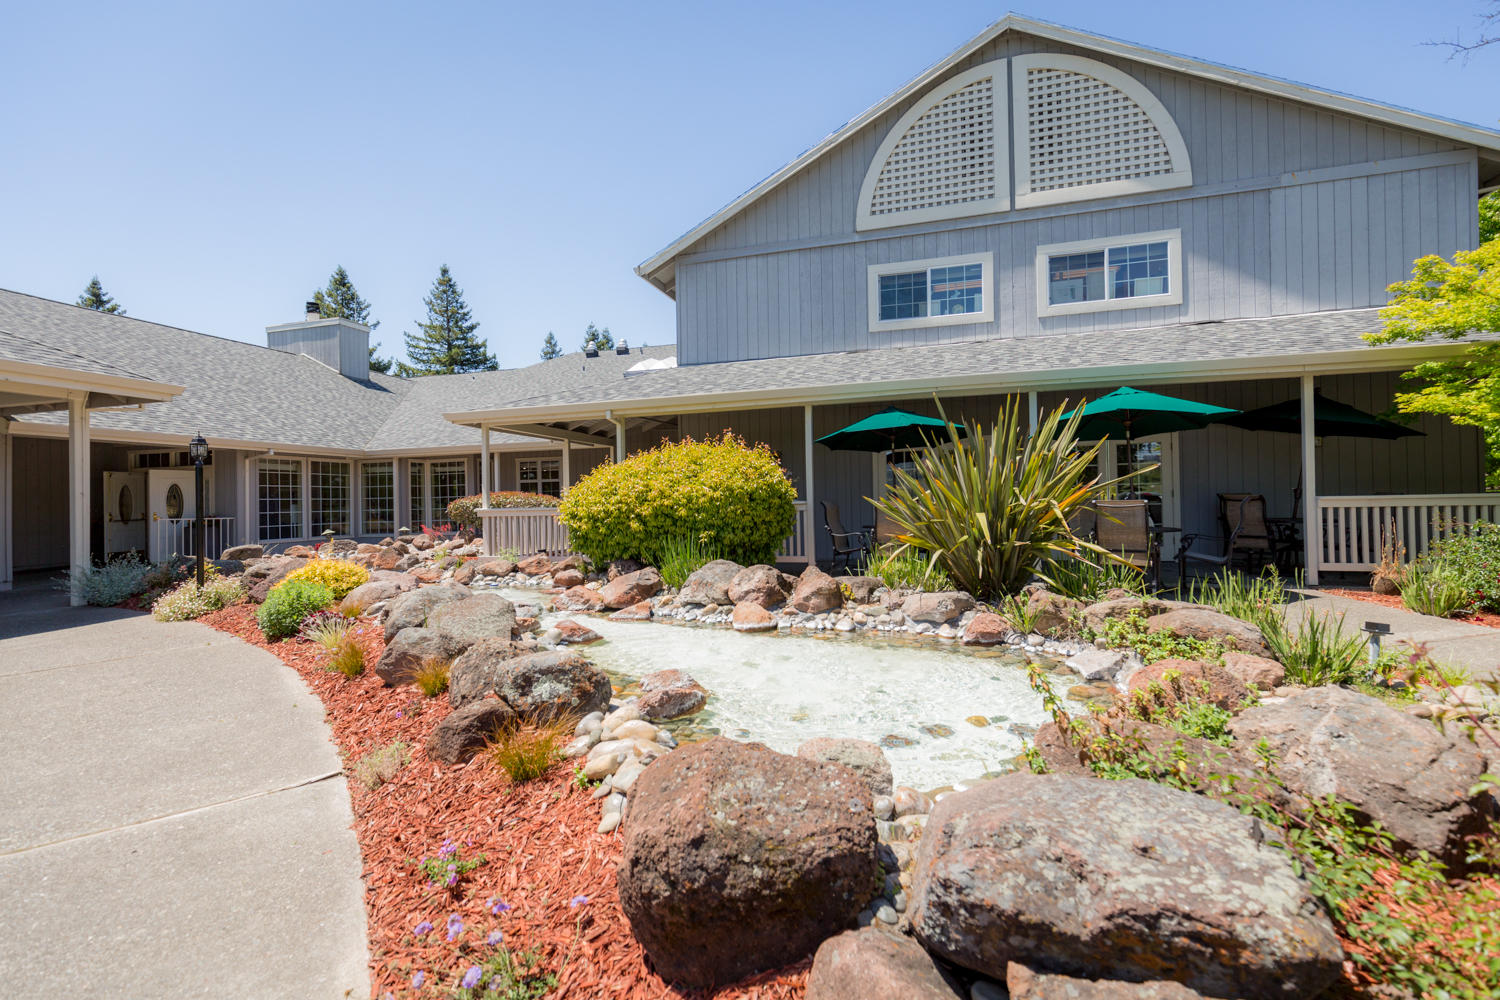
(213, 162)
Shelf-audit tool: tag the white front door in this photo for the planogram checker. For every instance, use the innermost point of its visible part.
(124, 497)
(171, 495)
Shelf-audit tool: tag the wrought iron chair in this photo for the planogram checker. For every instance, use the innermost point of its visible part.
(1123, 527)
(846, 544)
(1248, 538)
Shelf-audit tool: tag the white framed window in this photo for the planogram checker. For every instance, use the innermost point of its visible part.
(450, 481)
(330, 485)
(1116, 272)
(418, 507)
(279, 498)
(940, 291)
(539, 475)
(377, 492)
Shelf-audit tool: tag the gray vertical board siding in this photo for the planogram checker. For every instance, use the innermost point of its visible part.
(39, 503)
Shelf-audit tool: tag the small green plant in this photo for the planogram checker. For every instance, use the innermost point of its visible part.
(289, 604)
(348, 657)
(581, 780)
(1432, 586)
(901, 567)
(527, 750)
(509, 976)
(382, 764)
(1089, 582)
(1131, 632)
(112, 582)
(431, 678)
(448, 867)
(1471, 554)
(678, 556)
(1316, 649)
(1017, 609)
(187, 602)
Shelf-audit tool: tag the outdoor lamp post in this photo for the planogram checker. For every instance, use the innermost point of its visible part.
(198, 452)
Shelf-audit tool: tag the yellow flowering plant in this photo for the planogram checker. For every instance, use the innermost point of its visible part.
(337, 575)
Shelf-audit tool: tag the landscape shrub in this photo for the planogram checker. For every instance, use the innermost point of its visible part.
(902, 567)
(1432, 586)
(289, 604)
(108, 584)
(1088, 581)
(462, 511)
(994, 508)
(726, 495)
(1474, 558)
(527, 750)
(339, 575)
(431, 678)
(382, 764)
(187, 602)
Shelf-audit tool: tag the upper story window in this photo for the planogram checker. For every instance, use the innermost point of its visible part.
(937, 292)
(1124, 272)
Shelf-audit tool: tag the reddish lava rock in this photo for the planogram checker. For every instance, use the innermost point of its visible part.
(576, 634)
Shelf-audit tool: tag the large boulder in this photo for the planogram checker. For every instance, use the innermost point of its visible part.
(872, 964)
(478, 669)
(274, 574)
(411, 610)
(1096, 615)
(1210, 626)
(1168, 682)
(622, 567)
(861, 589)
(1025, 983)
(1258, 672)
(411, 648)
(465, 732)
(1054, 614)
(578, 599)
(986, 629)
(1117, 880)
(382, 558)
(244, 553)
(752, 617)
(366, 594)
(937, 608)
(762, 585)
(668, 694)
(737, 858)
(709, 583)
(864, 758)
(553, 685)
(630, 588)
(482, 616)
(1394, 768)
(483, 566)
(816, 592)
(566, 578)
(539, 564)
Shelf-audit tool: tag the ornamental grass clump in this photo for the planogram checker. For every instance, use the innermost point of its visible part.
(527, 750)
(338, 575)
(187, 601)
(289, 604)
(431, 678)
(680, 556)
(730, 497)
(901, 567)
(993, 509)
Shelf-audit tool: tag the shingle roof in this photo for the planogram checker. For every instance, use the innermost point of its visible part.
(1308, 334)
(14, 347)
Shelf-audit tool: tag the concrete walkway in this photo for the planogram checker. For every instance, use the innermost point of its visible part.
(1476, 648)
(173, 822)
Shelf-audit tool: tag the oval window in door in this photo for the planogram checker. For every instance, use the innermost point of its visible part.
(126, 504)
(174, 501)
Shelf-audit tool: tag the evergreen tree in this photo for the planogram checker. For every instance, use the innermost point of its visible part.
(93, 297)
(601, 339)
(550, 349)
(342, 300)
(445, 344)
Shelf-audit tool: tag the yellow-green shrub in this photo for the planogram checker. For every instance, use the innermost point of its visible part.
(725, 494)
(337, 575)
(462, 512)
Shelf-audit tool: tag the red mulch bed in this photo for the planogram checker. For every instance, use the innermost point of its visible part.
(1394, 601)
(539, 839)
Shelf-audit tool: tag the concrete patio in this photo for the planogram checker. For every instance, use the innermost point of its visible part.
(176, 823)
(1452, 642)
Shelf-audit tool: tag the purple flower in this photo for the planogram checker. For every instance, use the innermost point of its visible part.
(577, 901)
(495, 938)
(498, 906)
(455, 925)
(448, 849)
(422, 928)
(471, 978)
(417, 979)
(398, 713)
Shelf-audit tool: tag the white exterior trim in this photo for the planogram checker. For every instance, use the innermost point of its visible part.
(1181, 175)
(1172, 297)
(997, 72)
(986, 313)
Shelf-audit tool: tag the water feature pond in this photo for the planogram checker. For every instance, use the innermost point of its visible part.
(920, 699)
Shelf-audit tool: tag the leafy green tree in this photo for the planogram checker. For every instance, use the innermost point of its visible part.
(596, 338)
(93, 297)
(445, 344)
(1452, 301)
(1489, 217)
(550, 349)
(342, 300)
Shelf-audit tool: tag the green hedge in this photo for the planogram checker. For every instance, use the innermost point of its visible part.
(724, 494)
(288, 603)
(461, 512)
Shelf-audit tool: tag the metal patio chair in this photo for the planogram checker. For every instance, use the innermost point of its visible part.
(1124, 528)
(846, 544)
(1248, 540)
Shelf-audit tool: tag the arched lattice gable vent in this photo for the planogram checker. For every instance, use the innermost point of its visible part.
(946, 158)
(1087, 130)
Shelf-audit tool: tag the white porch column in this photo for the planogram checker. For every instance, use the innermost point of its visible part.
(567, 465)
(1312, 527)
(78, 490)
(809, 537)
(1031, 411)
(619, 435)
(6, 547)
(484, 466)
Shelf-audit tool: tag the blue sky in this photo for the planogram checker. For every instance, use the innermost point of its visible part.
(214, 162)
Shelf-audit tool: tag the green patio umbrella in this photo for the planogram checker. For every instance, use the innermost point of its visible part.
(1330, 419)
(889, 430)
(1131, 413)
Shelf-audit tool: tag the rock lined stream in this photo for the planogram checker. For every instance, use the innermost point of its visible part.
(920, 699)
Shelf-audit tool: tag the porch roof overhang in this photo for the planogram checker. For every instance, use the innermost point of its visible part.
(1230, 350)
(33, 387)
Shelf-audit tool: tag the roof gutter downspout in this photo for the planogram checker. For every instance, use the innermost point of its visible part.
(619, 434)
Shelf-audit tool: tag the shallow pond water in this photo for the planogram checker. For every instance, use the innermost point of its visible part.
(917, 698)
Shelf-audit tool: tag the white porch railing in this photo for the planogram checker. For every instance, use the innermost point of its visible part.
(175, 535)
(529, 530)
(1354, 529)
